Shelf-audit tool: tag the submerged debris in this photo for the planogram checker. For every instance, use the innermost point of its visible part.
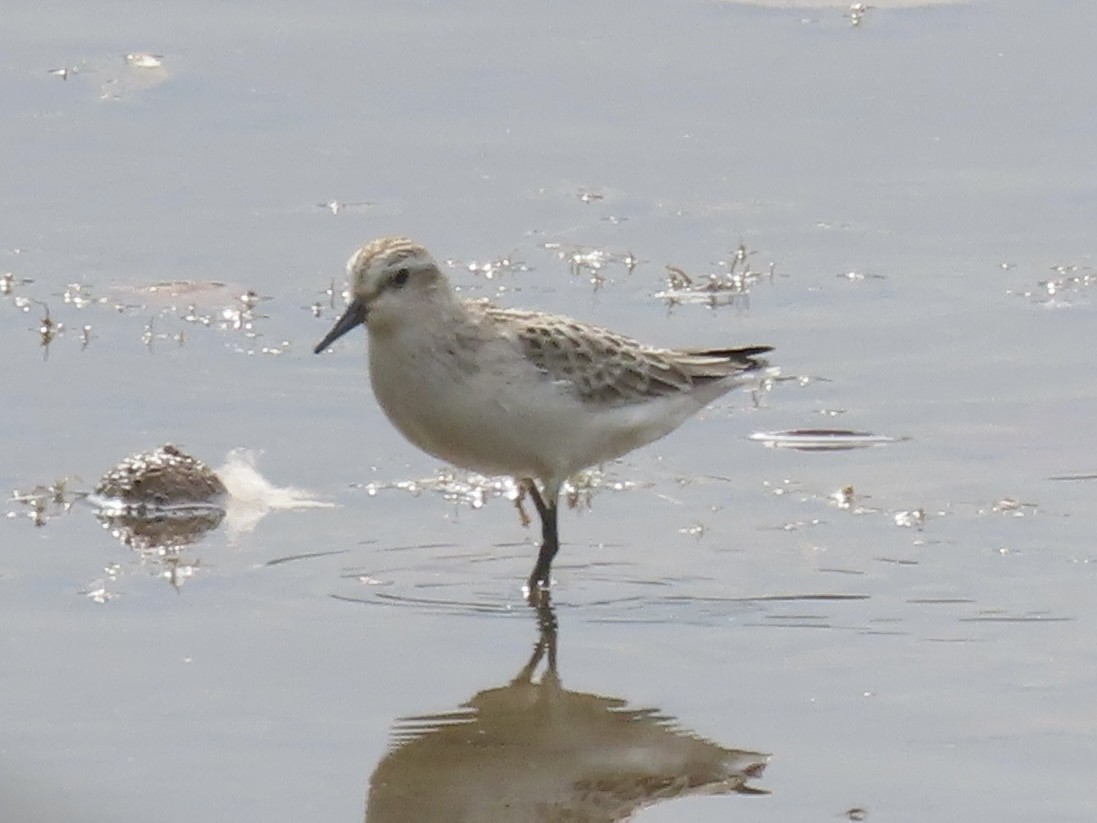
(465, 488)
(856, 15)
(337, 206)
(857, 276)
(592, 260)
(910, 518)
(490, 269)
(716, 288)
(144, 60)
(46, 502)
(849, 499)
(474, 490)
(1074, 477)
(79, 295)
(1067, 285)
(48, 329)
(822, 439)
(157, 503)
(1011, 506)
(161, 501)
(161, 479)
(843, 497)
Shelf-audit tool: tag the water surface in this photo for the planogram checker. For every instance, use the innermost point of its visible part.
(922, 184)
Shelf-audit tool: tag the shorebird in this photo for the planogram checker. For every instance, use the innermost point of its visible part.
(522, 393)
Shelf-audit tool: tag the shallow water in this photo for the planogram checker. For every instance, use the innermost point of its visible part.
(923, 186)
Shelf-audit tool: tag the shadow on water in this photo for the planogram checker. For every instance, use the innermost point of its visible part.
(532, 750)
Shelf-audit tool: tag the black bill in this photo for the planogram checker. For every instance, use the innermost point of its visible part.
(355, 315)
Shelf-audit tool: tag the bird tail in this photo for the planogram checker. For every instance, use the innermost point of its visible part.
(744, 359)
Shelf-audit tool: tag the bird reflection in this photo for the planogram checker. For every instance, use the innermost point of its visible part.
(533, 751)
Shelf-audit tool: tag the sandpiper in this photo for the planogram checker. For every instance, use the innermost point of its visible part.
(511, 392)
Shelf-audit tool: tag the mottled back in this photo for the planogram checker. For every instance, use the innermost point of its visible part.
(604, 367)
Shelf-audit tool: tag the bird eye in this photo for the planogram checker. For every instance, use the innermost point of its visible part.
(400, 278)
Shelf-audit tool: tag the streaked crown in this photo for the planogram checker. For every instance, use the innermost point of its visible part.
(388, 262)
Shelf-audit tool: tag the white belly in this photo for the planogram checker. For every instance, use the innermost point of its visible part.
(483, 419)
(502, 416)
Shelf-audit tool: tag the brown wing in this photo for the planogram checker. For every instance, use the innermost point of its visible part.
(606, 367)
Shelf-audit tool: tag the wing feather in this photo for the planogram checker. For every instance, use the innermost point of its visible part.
(605, 367)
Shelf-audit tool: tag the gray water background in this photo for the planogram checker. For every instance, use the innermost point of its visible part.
(915, 181)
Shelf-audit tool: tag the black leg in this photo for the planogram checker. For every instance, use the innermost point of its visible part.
(550, 542)
(546, 643)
